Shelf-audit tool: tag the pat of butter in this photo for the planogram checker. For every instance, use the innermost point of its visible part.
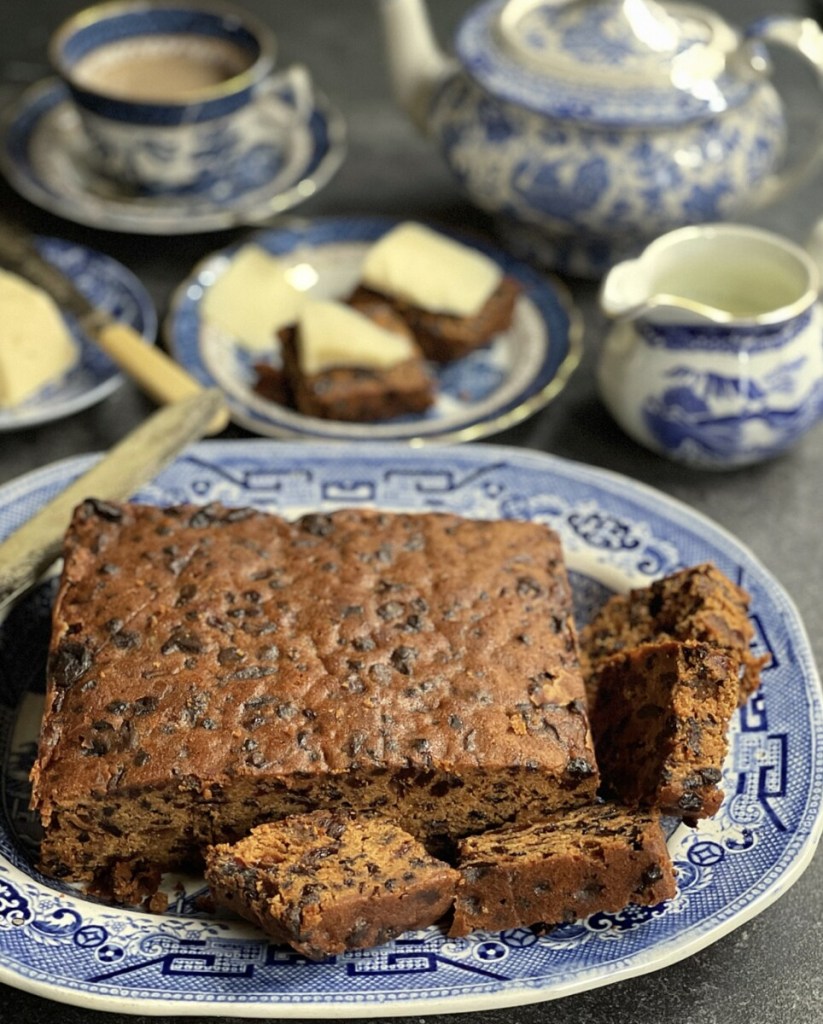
(36, 346)
(252, 299)
(422, 267)
(335, 335)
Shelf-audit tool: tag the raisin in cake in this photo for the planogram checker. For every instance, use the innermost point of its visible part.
(660, 722)
(578, 862)
(330, 881)
(215, 668)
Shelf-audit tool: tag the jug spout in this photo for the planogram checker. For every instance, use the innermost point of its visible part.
(624, 293)
(417, 65)
(715, 274)
(627, 294)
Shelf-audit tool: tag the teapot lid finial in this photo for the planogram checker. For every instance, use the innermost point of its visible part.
(610, 61)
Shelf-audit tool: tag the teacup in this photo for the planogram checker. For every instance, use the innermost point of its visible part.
(167, 91)
(715, 358)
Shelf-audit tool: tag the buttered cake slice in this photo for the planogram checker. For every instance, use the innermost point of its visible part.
(429, 270)
(453, 297)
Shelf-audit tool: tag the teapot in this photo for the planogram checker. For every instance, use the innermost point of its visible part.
(715, 354)
(588, 127)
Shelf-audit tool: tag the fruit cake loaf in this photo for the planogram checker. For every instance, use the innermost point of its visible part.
(212, 668)
(660, 723)
(698, 603)
(330, 881)
(577, 862)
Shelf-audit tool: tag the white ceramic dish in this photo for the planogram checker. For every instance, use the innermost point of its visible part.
(616, 533)
(43, 157)
(483, 393)
(110, 286)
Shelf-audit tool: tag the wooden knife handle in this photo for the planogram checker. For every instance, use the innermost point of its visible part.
(151, 369)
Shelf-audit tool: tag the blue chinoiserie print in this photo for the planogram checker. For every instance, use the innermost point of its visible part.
(56, 941)
(591, 128)
(43, 159)
(721, 416)
(567, 178)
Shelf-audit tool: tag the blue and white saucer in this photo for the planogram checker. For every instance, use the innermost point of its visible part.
(44, 158)
(111, 287)
(487, 391)
(616, 533)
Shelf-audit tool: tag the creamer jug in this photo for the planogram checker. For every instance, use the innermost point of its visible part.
(715, 354)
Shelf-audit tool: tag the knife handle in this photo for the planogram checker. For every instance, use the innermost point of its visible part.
(151, 369)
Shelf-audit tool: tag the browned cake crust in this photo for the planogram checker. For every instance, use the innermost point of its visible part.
(699, 603)
(443, 337)
(660, 723)
(359, 394)
(214, 668)
(592, 859)
(329, 881)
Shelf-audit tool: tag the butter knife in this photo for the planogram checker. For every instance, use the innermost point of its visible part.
(28, 552)
(156, 373)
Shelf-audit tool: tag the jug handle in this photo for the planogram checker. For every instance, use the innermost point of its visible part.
(804, 37)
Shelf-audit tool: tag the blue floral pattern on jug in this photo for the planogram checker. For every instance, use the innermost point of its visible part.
(683, 419)
(708, 399)
(691, 415)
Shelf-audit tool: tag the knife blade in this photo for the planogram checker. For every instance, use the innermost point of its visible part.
(29, 551)
(156, 373)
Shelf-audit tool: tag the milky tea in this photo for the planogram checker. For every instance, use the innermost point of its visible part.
(161, 68)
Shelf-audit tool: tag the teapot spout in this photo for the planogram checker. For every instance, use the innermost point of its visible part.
(417, 65)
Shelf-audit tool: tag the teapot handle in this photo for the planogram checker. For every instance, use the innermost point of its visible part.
(804, 37)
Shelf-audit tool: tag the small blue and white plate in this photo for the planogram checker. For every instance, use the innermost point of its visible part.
(109, 286)
(44, 158)
(616, 533)
(485, 392)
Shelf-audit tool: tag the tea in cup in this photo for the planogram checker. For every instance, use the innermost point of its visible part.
(167, 91)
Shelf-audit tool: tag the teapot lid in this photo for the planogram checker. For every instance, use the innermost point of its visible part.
(613, 62)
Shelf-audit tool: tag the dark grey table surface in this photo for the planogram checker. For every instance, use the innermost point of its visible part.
(769, 969)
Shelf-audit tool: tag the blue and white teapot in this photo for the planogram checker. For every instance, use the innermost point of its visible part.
(592, 126)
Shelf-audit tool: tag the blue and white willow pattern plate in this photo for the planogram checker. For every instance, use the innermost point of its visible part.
(109, 286)
(616, 533)
(44, 157)
(488, 390)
